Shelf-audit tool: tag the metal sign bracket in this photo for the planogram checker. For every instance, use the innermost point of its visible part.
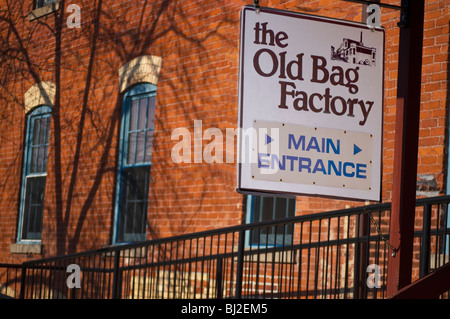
(403, 9)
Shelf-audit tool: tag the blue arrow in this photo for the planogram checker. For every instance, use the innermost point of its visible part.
(268, 139)
(356, 149)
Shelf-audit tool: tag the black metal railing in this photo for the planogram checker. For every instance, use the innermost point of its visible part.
(327, 255)
(10, 280)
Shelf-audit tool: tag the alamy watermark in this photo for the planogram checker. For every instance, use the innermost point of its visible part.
(219, 146)
(74, 19)
(74, 279)
(374, 278)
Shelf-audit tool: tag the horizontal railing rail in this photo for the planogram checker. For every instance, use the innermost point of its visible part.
(326, 255)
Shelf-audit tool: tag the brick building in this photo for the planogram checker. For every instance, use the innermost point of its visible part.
(89, 110)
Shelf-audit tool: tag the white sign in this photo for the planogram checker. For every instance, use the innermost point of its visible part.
(310, 105)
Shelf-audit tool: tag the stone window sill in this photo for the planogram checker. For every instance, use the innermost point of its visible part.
(26, 248)
(43, 11)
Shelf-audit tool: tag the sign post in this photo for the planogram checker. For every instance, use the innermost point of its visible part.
(310, 105)
(406, 149)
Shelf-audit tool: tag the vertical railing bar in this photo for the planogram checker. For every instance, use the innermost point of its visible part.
(50, 283)
(300, 256)
(95, 283)
(162, 269)
(115, 292)
(144, 250)
(334, 286)
(155, 258)
(137, 261)
(41, 280)
(62, 284)
(172, 270)
(367, 256)
(178, 268)
(377, 250)
(327, 260)
(46, 292)
(196, 266)
(203, 267)
(274, 247)
(425, 249)
(219, 277)
(357, 263)
(132, 272)
(346, 258)
(240, 264)
(153, 286)
(91, 262)
(437, 258)
(225, 288)
(210, 266)
(309, 259)
(272, 282)
(285, 267)
(252, 270)
(291, 264)
(108, 263)
(92, 275)
(331, 265)
(186, 268)
(167, 264)
(247, 275)
(232, 282)
(266, 260)
(30, 286)
(445, 236)
(102, 262)
(258, 258)
(281, 264)
(317, 263)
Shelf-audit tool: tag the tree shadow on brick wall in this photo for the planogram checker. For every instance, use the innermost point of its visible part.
(83, 130)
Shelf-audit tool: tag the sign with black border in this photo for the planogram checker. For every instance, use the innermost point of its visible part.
(310, 105)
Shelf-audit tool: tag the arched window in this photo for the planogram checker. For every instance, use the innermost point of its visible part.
(34, 173)
(135, 159)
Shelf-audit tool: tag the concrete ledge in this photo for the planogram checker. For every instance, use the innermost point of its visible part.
(26, 248)
(43, 11)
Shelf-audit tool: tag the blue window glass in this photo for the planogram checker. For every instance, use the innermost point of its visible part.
(266, 208)
(137, 129)
(34, 173)
(42, 3)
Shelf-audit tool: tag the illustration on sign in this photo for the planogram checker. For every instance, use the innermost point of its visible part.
(310, 120)
(355, 52)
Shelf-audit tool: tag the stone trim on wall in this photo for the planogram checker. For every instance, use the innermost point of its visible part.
(42, 93)
(145, 68)
(26, 248)
(43, 11)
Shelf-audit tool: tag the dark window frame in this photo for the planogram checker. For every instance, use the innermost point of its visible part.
(136, 138)
(37, 136)
(264, 208)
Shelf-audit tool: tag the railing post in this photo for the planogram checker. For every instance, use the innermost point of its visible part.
(425, 248)
(361, 263)
(22, 282)
(240, 265)
(219, 277)
(117, 277)
(401, 233)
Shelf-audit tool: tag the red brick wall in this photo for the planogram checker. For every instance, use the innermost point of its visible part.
(199, 44)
